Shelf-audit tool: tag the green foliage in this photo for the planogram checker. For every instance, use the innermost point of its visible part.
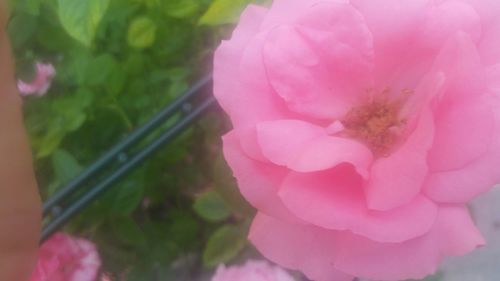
(181, 8)
(65, 168)
(141, 33)
(127, 231)
(224, 245)
(211, 207)
(223, 11)
(226, 11)
(128, 197)
(81, 18)
(118, 62)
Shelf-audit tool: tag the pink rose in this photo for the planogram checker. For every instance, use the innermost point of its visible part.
(252, 271)
(361, 130)
(41, 82)
(64, 258)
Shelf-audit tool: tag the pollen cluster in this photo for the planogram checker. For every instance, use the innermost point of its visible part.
(374, 123)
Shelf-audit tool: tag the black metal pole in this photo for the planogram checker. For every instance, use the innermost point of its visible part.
(133, 138)
(94, 192)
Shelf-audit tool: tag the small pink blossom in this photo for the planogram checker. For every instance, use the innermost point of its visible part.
(64, 258)
(41, 82)
(361, 129)
(252, 270)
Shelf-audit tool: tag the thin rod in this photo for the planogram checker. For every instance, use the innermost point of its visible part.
(137, 159)
(133, 138)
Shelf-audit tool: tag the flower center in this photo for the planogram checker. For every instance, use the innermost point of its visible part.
(375, 123)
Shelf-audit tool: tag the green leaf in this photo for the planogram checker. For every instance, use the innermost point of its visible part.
(181, 8)
(211, 207)
(141, 33)
(223, 12)
(127, 231)
(99, 69)
(81, 18)
(224, 245)
(69, 111)
(116, 81)
(21, 28)
(28, 6)
(184, 230)
(128, 198)
(65, 166)
(50, 141)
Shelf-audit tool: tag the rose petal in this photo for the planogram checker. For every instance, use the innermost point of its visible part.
(285, 12)
(462, 130)
(490, 38)
(306, 248)
(398, 178)
(319, 65)
(400, 60)
(445, 19)
(463, 185)
(236, 58)
(462, 107)
(459, 58)
(334, 199)
(321, 253)
(257, 181)
(304, 147)
(453, 233)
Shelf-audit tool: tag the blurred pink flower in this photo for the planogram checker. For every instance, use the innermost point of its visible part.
(252, 271)
(64, 258)
(361, 130)
(41, 82)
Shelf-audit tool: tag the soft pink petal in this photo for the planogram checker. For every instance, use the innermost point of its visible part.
(487, 10)
(281, 139)
(320, 66)
(430, 87)
(445, 19)
(453, 233)
(304, 147)
(89, 263)
(26, 89)
(492, 74)
(396, 180)
(462, 130)
(41, 83)
(238, 58)
(252, 270)
(462, 185)
(478, 176)
(250, 144)
(305, 248)
(284, 12)
(459, 58)
(490, 39)
(461, 107)
(257, 181)
(321, 253)
(335, 200)
(64, 258)
(490, 43)
(400, 59)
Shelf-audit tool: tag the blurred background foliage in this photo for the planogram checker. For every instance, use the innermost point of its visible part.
(118, 62)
